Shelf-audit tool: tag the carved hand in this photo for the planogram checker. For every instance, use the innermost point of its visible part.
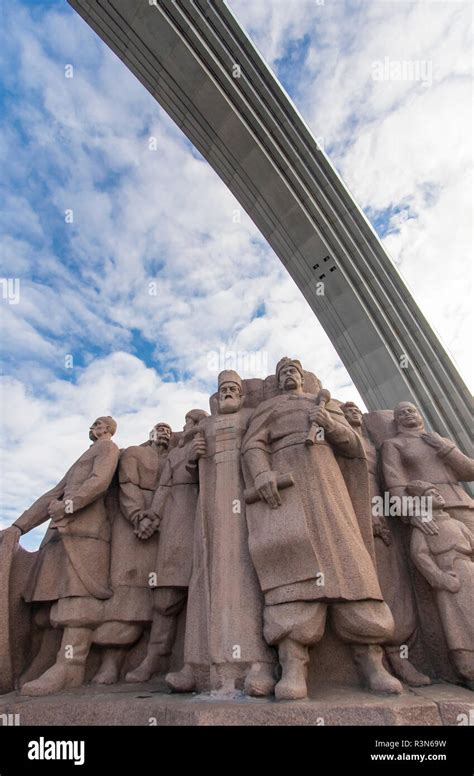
(197, 448)
(148, 523)
(427, 526)
(12, 529)
(266, 485)
(441, 446)
(381, 529)
(56, 510)
(450, 582)
(322, 418)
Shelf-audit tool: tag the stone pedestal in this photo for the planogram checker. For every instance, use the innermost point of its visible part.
(440, 704)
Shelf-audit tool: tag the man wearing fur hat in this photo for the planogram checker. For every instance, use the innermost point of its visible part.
(312, 546)
(225, 604)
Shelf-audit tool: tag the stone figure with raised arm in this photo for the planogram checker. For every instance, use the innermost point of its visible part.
(71, 574)
(133, 559)
(416, 454)
(392, 572)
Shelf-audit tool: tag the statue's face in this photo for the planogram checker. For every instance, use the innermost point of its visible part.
(353, 415)
(407, 416)
(98, 429)
(189, 423)
(289, 378)
(230, 398)
(160, 435)
(437, 499)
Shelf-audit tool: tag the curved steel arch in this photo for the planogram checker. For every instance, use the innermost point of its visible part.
(242, 121)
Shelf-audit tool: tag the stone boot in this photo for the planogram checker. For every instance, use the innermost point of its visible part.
(294, 665)
(181, 681)
(369, 660)
(154, 663)
(405, 670)
(463, 661)
(49, 646)
(260, 680)
(69, 668)
(110, 666)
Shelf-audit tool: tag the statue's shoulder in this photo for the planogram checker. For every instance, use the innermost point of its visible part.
(207, 422)
(104, 443)
(268, 404)
(135, 451)
(396, 441)
(105, 447)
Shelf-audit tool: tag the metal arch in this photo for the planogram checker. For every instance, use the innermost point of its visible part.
(199, 64)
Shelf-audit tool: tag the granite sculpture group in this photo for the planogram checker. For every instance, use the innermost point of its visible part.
(217, 557)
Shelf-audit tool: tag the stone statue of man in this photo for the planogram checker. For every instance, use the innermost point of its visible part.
(173, 511)
(224, 616)
(392, 573)
(415, 454)
(71, 573)
(446, 560)
(133, 560)
(309, 550)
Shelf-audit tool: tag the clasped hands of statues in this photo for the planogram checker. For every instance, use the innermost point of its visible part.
(147, 522)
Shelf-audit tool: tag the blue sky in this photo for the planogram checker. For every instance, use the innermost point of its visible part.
(154, 275)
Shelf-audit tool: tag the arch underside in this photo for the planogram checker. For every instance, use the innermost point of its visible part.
(184, 53)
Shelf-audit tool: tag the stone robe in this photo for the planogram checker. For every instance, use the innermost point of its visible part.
(225, 603)
(450, 550)
(134, 559)
(391, 564)
(74, 558)
(175, 503)
(314, 546)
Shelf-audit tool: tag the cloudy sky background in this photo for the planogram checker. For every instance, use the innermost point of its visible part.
(162, 216)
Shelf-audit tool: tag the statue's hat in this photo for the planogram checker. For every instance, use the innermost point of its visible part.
(162, 423)
(285, 361)
(229, 376)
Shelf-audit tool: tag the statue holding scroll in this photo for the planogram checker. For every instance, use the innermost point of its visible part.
(311, 542)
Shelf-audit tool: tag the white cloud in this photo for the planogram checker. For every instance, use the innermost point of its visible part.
(42, 434)
(163, 216)
(395, 142)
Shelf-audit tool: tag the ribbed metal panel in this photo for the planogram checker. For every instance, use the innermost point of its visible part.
(183, 52)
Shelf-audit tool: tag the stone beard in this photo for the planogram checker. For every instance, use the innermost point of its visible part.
(225, 604)
(225, 601)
